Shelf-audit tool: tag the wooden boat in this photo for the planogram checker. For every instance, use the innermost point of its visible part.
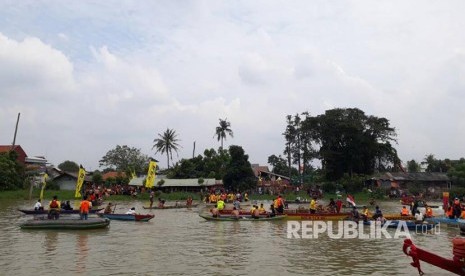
(454, 265)
(396, 217)
(66, 223)
(298, 214)
(135, 217)
(444, 220)
(242, 218)
(171, 207)
(410, 225)
(44, 212)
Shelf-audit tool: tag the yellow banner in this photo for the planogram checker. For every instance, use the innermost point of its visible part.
(151, 174)
(80, 181)
(44, 183)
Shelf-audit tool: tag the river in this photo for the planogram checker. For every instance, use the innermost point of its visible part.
(179, 242)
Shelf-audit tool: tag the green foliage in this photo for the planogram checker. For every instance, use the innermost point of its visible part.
(161, 182)
(436, 165)
(11, 173)
(212, 165)
(413, 166)
(223, 129)
(167, 143)
(97, 177)
(69, 166)
(456, 192)
(352, 184)
(329, 187)
(124, 158)
(239, 175)
(349, 141)
(378, 193)
(457, 174)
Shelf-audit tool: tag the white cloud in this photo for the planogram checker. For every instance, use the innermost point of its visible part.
(122, 77)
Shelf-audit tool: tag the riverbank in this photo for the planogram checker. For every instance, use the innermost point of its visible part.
(360, 198)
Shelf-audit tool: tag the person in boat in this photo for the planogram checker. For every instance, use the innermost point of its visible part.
(246, 197)
(332, 206)
(378, 215)
(404, 211)
(419, 217)
(152, 195)
(256, 213)
(235, 213)
(313, 206)
(54, 208)
(355, 214)
(66, 206)
(131, 211)
(215, 212)
(108, 209)
(261, 209)
(189, 201)
(457, 208)
(450, 212)
(280, 209)
(237, 204)
(252, 210)
(428, 211)
(220, 204)
(365, 214)
(272, 211)
(463, 213)
(38, 206)
(84, 208)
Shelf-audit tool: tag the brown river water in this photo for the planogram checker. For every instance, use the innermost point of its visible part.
(179, 242)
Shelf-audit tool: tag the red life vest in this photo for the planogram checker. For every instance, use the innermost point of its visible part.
(54, 204)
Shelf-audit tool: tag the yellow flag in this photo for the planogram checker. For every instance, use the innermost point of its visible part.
(80, 180)
(44, 183)
(150, 180)
(133, 174)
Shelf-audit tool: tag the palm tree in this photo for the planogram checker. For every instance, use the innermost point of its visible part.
(166, 143)
(222, 130)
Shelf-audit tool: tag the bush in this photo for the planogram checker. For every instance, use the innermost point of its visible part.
(52, 186)
(329, 187)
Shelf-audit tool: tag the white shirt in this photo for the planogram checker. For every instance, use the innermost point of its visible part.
(38, 205)
(130, 212)
(419, 216)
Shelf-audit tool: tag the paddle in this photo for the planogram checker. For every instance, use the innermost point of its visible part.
(114, 209)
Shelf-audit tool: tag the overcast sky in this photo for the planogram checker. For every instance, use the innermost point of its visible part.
(89, 75)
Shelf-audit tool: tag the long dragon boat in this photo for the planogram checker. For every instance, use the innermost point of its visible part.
(62, 211)
(455, 265)
(241, 218)
(66, 224)
(171, 207)
(128, 217)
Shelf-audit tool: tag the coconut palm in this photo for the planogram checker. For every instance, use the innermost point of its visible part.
(167, 143)
(222, 130)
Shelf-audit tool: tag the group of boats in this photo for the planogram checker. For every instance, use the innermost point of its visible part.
(100, 220)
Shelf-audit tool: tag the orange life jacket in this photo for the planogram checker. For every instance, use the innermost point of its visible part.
(405, 212)
(449, 212)
(429, 212)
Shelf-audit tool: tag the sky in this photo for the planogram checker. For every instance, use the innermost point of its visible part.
(87, 76)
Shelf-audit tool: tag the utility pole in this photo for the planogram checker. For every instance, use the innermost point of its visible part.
(193, 152)
(16, 131)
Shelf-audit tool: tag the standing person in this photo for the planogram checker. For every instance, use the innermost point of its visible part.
(378, 214)
(189, 201)
(84, 208)
(338, 205)
(355, 214)
(38, 205)
(280, 204)
(54, 208)
(272, 211)
(237, 204)
(152, 195)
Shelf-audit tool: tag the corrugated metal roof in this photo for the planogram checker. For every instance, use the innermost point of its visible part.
(418, 176)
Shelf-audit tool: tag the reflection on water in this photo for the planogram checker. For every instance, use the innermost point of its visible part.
(179, 242)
